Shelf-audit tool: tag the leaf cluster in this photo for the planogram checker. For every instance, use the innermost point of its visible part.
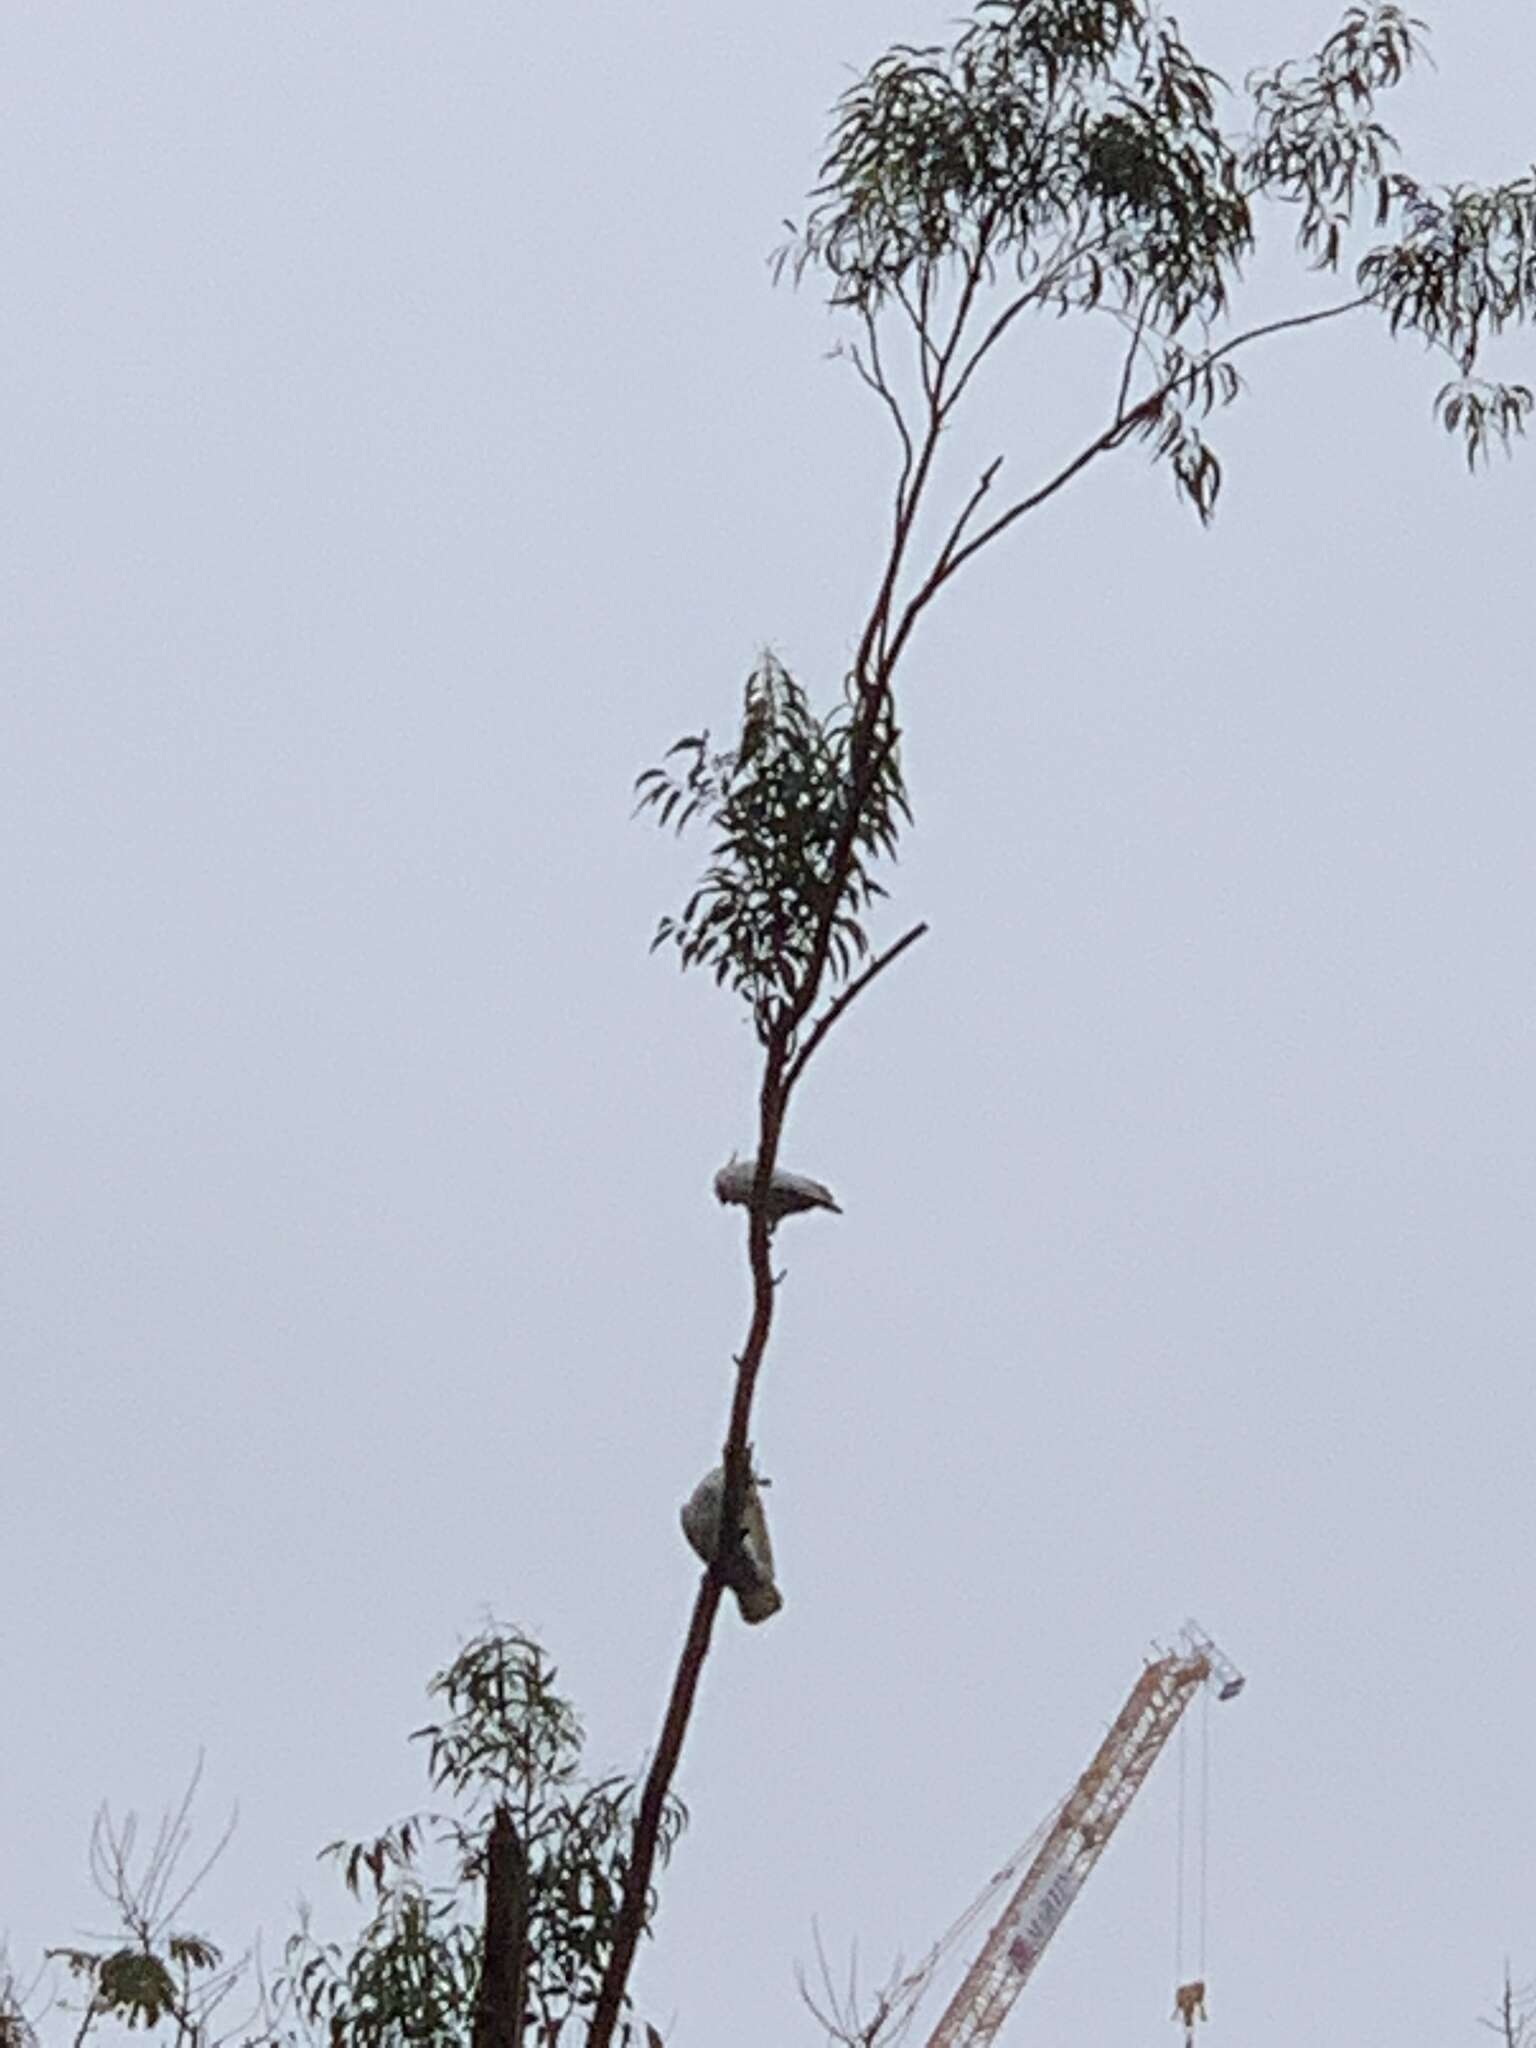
(138, 1987)
(16, 2027)
(1069, 144)
(1076, 156)
(412, 1973)
(1314, 141)
(801, 807)
(1462, 271)
(1194, 386)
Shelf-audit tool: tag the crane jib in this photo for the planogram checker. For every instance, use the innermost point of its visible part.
(1078, 1836)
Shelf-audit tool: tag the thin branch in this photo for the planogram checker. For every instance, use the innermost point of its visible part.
(1131, 353)
(867, 762)
(856, 987)
(993, 335)
(956, 533)
(874, 376)
(870, 656)
(1119, 430)
(1047, 279)
(951, 557)
(1113, 435)
(977, 267)
(935, 363)
(917, 316)
(169, 1914)
(1281, 326)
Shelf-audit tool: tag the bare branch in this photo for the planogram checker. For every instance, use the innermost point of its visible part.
(1117, 432)
(1131, 353)
(917, 319)
(835, 1009)
(874, 376)
(967, 511)
(1047, 285)
(1283, 326)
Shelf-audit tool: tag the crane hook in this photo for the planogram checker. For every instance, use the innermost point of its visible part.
(1189, 2006)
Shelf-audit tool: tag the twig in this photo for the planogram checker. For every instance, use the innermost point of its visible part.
(1046, 280)
(1119, 430)
(1113, 435)
(1130, 361)
(1281, 326)
(835, 1010)
(873, 374)
(956, 533)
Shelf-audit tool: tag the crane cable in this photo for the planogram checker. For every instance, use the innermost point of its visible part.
(1179, 1858)
(1192, 1858)
(1205, 1818)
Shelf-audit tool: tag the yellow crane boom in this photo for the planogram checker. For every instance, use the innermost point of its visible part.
(1079, 1836)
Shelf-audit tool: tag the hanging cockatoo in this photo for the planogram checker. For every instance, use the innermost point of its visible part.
(788, 1193)
(751, 1577)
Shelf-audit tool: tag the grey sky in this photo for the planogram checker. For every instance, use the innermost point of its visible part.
(403, 445)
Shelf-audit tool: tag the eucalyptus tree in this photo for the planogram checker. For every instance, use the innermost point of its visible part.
(489, 1923)
(1061, 159)
(486, 1921)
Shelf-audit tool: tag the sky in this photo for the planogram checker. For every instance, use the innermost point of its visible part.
(403, 444)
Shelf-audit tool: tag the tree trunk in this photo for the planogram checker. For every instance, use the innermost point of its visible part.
(502, 2006)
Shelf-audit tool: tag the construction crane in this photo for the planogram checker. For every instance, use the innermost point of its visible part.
(1055, 1863)
(1078, 1836)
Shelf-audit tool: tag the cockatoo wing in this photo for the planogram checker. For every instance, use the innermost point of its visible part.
(751, 1577)
(789, 1194)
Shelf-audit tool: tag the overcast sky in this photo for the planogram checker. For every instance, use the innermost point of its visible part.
(403, 444)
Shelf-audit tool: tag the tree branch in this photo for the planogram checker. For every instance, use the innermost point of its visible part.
(956, 533)
(856, 987)
(879, 383)
(1126, 373)
(926, 349)
(935, 363)
(1047, 279)
(653, 1799)
(737, 1462)
(1281, 326)
(1119, 430)
(1113, 435)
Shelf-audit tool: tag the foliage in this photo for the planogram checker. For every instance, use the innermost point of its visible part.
(1070, 157)
(1073, 156)
(507, 1739)
(1073, 145)
(17, 2029)
(159, 1973)
(800, 806)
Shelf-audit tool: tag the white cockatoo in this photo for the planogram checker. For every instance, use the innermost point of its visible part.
(788, 1193)
(751, 1577)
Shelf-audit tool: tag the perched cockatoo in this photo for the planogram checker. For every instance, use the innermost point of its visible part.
(751, 1577)
(788, 1193)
